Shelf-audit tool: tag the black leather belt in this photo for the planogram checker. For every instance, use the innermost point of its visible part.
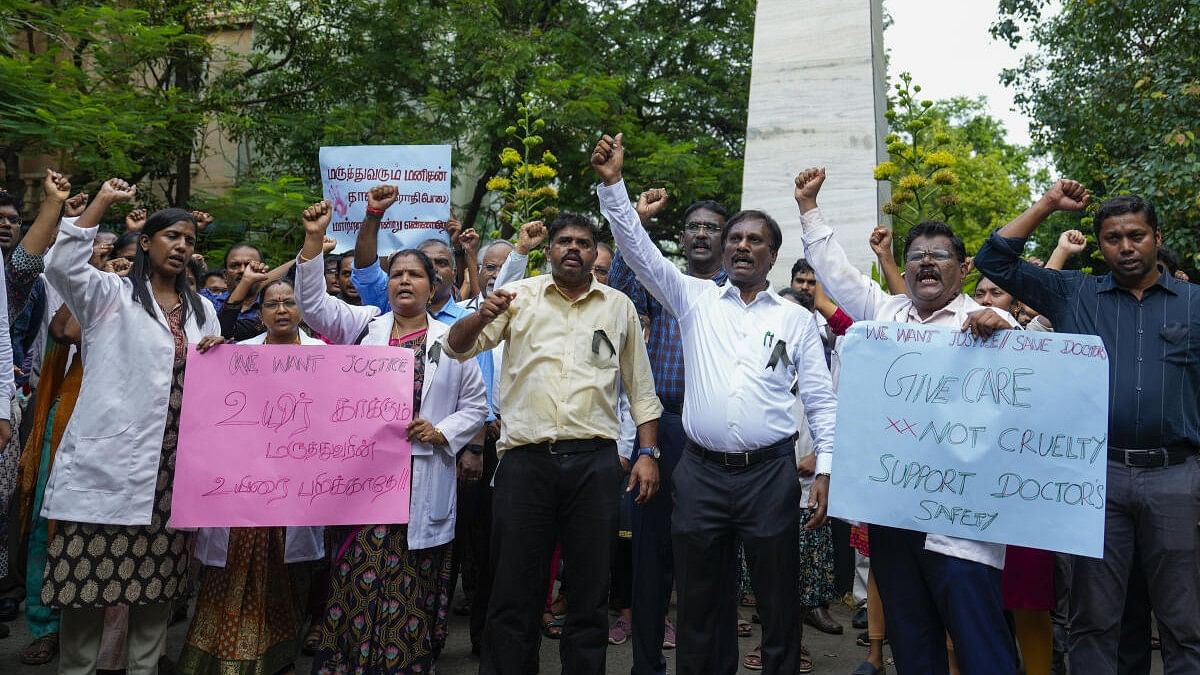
(1151, 457)
(569, 447)
(741, 460)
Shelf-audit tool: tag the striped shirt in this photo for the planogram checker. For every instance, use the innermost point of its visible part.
(1153, 344)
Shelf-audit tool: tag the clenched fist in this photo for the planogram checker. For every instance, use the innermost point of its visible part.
(381, 197)
(650, 203)
(531, 235)
(316, 219)
(495, 305)
(808, 184)
(608, 158)
(1066, 195)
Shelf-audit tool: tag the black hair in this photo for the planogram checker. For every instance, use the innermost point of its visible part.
(343, 256)
(565, 220)
(241, 245)
(126, 239)
(196, 268)
(430, 270)
(215, 273)
(1169, 258)
(158, 221)
(7, 199)
(753, 214)
(603, 246)
(434, 241)
(715, 207)
(936, 228)
(262, 292)
(801, 265)
(1119, 206)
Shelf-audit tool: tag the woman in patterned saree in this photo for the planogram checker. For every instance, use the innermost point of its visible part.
(109, 492)
(389, 590)
(250, 609)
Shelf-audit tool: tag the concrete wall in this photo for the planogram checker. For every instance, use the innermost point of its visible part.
(817, 99)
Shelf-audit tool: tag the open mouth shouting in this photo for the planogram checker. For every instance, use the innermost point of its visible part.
(929, 277)
(742, 261)
(572, 260)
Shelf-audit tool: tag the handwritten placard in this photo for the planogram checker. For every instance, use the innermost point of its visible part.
(1001, 440)
(421, 173)
(294, 435)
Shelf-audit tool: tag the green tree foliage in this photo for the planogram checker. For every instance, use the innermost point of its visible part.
(949, 160)
(673, 76)
(1114, 88)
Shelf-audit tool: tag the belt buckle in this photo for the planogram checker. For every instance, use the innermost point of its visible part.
(550, 448)
(745, 456)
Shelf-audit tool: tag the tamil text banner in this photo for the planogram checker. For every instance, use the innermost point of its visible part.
(294, 435)
(421, 174)
(1001, 440)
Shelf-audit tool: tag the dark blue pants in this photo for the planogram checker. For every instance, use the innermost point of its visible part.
(926, 594)
(653, 568)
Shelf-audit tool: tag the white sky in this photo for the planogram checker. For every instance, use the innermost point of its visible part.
(946, 46)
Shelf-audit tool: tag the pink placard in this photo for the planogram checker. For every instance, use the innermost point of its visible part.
(294, 435)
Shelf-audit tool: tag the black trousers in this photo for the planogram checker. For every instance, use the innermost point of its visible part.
(713, 507)
(472, 540)
(541, 499)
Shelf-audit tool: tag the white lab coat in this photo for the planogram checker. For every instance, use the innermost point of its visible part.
(299, 543)
(452, 398)
(107, 464)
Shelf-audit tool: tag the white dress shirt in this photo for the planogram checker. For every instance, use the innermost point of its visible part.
(864, 300)
(733, 401)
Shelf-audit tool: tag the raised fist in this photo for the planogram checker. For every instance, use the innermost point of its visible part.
(202, 218)
(1072, 242)
(56, 186)
(608, 158)
(254, 274)
(808, 184)
(881, 241)
(1067, 195)
(135, 220)
(650, 203)
(328, 245)
(316, 219)
(75, 205)
(468, 239)
(381, 197)
(118, 266)
(115, 190)
(531, 236)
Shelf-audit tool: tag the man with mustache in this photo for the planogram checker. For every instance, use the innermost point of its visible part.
(653, 575)
(749, 355)
(1150, 324)
(568, 339)
(929, 583)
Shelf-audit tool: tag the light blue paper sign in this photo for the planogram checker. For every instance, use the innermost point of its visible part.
(1003, 440)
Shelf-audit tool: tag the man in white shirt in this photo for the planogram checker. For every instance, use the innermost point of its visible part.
(749, 355)
(929, 583)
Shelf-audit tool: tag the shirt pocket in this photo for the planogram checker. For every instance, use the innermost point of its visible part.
(1177, 343)
(776, 359)
(101, 463)
(599, 346)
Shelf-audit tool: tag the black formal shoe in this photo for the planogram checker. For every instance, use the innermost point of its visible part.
(819, 618)
(859, 621)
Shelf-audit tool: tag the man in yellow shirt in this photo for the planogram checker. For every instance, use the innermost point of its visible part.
(568, 340)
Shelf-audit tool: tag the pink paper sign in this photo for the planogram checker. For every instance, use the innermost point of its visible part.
(294, 435)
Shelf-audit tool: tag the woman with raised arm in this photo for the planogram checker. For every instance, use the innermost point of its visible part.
(389, 592)
(250, 610)
(110, 487)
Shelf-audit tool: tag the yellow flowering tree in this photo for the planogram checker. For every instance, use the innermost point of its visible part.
(949, 160)
(525, 183)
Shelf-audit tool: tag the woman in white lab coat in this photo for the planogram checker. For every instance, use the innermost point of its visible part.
(110, 487)
(250, 610)
(389, 592)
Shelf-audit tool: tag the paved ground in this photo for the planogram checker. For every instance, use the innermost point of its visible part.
(832, 655)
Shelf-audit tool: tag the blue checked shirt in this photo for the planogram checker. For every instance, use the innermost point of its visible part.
(666, 344)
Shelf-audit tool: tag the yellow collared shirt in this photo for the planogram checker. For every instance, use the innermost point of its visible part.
(563, 363)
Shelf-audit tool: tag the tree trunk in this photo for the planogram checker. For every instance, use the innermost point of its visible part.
(13, 183)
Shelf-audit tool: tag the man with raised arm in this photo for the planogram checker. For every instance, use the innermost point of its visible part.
(930, 584)
(1150, 324)
(749, 354)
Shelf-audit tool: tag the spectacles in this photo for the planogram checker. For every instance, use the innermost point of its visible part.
(276, 304)
(490, 267)
(695, 226)
(10, 220)
(936, 255)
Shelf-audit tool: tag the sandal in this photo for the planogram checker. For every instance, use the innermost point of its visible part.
(744, 628)
(312, 641)
(552, 626)
(753, 660)
(41, 651)
(748, 600)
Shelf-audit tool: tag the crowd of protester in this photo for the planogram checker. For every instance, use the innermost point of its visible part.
(587, 444)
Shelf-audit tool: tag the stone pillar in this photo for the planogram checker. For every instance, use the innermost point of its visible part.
(817, 98)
